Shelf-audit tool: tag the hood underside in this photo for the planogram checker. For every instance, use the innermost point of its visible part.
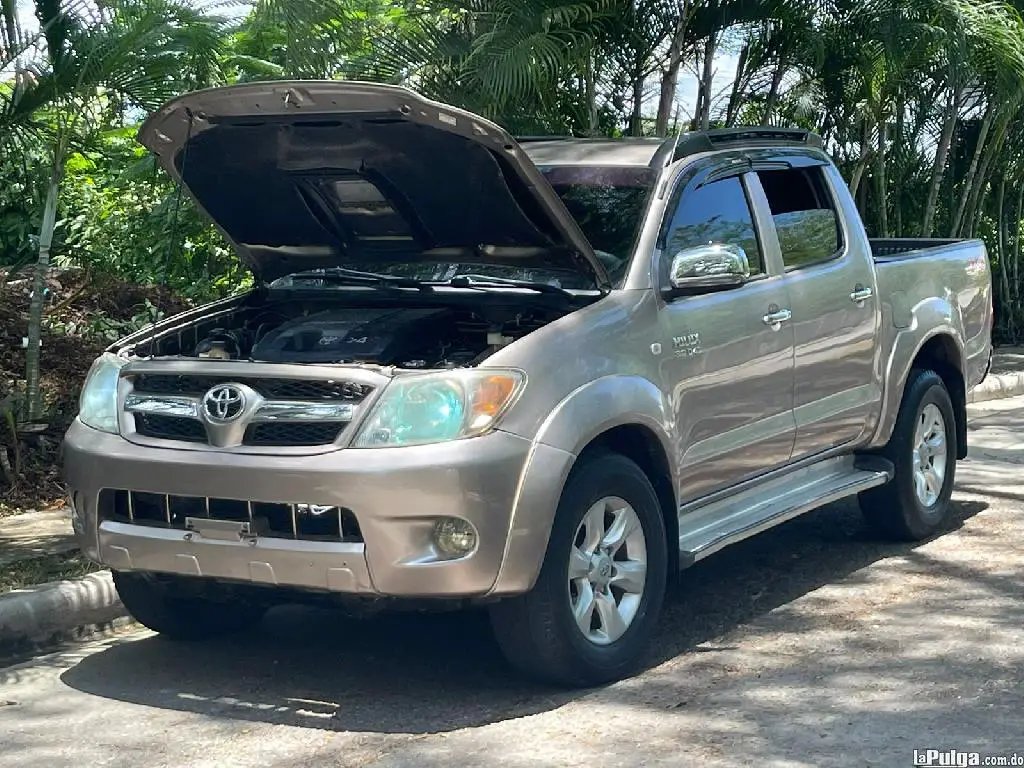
(308, 175)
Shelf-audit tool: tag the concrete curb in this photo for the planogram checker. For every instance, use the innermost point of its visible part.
(46, 614)
(997, 386)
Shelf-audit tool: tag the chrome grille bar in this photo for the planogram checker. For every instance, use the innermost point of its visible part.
(269, 410)
(299, 411)
(163, 405)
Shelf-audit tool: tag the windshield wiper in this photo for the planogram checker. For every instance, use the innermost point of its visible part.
(482, 281)
(343, 276)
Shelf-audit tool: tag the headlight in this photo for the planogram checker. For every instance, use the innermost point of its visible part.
(97, 406)
(437, 407)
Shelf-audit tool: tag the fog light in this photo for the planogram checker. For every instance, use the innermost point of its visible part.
(454, 536)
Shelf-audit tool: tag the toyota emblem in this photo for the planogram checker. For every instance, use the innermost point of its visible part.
(225, 402)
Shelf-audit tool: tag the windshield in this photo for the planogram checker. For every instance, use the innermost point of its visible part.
(607, 203)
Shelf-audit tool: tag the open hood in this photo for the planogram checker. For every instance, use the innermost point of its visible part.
(305, 174)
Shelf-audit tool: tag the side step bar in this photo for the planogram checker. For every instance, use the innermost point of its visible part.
(706, 528)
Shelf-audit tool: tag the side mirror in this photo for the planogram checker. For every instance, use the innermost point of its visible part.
(707, 268)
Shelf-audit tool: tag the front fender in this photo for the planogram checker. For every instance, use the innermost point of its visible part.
(583, 415)
(606, 403)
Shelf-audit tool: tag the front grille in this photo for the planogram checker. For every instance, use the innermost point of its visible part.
(170, 428)
(280, 521)
(272, 389)
(292, 433)
(261, 434)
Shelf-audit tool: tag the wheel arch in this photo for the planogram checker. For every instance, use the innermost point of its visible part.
(941, 353)
(641, 445)
(625, 414)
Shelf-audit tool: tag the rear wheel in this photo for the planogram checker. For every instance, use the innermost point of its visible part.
(595, 606)
(916, 503)
(181, 617)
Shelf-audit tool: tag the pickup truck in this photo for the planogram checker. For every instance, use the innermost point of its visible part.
(539, 377)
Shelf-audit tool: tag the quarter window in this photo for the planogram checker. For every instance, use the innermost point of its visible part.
(804, 215)
(718, 212)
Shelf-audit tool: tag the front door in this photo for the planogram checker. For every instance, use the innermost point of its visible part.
(729, 365)
(835, 314)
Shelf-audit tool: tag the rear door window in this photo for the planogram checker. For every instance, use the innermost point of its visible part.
(804, 214)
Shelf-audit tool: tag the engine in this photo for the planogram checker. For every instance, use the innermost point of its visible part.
(348, 336)
(417, 337)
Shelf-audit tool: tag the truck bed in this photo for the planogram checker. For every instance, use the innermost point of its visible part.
(956, 271)
(891, 248)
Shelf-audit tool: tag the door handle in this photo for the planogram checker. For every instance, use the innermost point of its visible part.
(861, 294)
(777, 318)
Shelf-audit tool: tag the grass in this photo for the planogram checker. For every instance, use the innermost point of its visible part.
(39, 570)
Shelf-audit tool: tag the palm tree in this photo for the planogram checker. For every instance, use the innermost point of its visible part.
(135, 53)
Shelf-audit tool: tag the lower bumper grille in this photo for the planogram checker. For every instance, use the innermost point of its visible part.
(284, 521)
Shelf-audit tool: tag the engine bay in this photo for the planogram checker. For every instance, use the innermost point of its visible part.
(385, 334)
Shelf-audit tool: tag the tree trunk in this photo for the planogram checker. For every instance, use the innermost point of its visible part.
(670, 76)
(1015, 285)
(591, 95)
(732, 111)
(862, 161)
(636, 120)
(882, 188)
(939, 166)
(972, 171)
(899, 171)
(698, 107)
(707, 74)
(35, 310)
(773, 92)
(1004, 278)
(977, 198)
(10, 39)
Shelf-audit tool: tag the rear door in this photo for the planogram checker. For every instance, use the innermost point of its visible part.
(729, 370)
(830, 281)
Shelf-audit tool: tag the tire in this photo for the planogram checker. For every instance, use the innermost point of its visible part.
(537, 631)
(178, 617)
(896, 510)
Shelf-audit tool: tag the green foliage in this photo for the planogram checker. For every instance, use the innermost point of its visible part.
(918, 100)
(136, 225)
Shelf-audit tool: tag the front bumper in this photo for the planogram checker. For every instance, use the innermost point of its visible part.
(506, 486)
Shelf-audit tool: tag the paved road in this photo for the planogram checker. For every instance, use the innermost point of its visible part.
(808, 646)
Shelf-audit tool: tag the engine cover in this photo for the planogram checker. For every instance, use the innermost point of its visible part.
(346, 335)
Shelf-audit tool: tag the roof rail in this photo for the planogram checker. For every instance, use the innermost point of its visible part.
(722, 138)
(666, 153)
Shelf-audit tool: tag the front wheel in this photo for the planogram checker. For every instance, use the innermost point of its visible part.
(592, 613)
(915, 504)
